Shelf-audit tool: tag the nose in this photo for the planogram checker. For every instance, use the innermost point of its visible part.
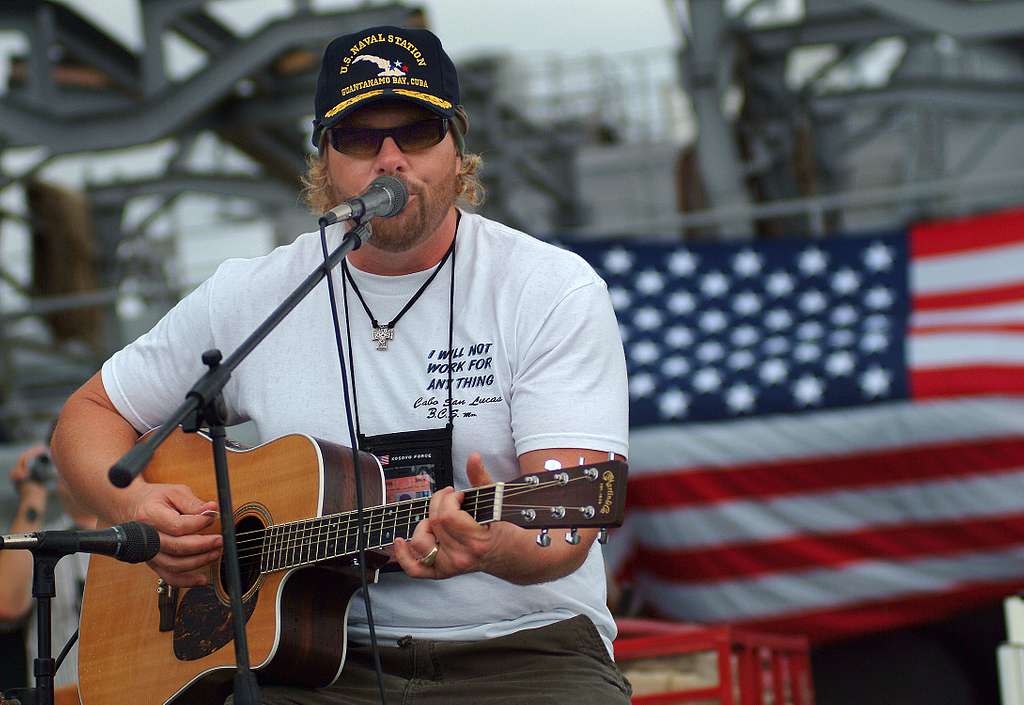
(391, 159)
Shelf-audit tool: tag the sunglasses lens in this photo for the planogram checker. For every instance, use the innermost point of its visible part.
(420, 135)
(366, 141)
(357, 141)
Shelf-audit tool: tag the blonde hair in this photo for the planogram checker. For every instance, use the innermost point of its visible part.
(319, 196)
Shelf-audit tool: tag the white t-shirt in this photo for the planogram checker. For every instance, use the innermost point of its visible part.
(538, 364)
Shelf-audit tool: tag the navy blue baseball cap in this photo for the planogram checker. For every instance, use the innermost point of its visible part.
(385, 63)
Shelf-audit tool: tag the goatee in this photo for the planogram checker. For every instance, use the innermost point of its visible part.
(418, 220)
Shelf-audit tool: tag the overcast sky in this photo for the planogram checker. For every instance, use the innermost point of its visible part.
(467, 27)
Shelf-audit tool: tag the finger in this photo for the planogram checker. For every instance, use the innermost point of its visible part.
(403, 549)
(184, 565)
(29, 454)
(420, 543)
(169, 520)
(444, 511)
(182, 499)
(410, 562)
(477, 471)
(423, 538)
(437, 498)
(450, 515)
(191, 545)
(194, 578)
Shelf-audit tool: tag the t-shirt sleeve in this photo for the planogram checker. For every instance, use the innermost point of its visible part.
(569, 390)
(147, 379)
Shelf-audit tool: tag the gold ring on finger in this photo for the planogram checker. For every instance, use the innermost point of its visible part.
(429, 559)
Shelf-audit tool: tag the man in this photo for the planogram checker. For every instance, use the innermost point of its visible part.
(475, 351)
(36, 483)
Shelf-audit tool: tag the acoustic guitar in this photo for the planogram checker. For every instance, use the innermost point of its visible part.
(145, 642)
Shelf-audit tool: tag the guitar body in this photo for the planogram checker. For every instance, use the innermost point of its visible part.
(295, 618)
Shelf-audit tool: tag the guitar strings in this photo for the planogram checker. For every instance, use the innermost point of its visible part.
(294, 555)
(339, 526)
(316, 525)
(485, 494)
(292, 545)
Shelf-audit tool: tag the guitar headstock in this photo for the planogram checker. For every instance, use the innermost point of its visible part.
(586, 496)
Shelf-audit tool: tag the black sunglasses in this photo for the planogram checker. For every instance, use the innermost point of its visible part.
(366, 141)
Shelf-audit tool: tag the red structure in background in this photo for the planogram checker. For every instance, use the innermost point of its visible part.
(754, 668)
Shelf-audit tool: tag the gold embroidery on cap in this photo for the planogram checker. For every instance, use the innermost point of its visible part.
(424, 97)
(345, 103)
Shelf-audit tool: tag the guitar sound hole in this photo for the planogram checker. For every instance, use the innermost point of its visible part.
(249, 536)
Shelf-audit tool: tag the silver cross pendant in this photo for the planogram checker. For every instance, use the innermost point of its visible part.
(382, 334)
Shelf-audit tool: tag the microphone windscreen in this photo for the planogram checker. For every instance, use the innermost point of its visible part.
(142, 542)
(396, 189)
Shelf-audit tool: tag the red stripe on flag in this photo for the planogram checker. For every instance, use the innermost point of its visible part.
(703, 486)
(972, 380)
(969, 299)
(894, 543)
(968, 328)
(974, 233)
(828, 625)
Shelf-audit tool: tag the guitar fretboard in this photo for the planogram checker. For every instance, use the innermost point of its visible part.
(312, 540)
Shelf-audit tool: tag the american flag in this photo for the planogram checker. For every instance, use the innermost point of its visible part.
(827, 436)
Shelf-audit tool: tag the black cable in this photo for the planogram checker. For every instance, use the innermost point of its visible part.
(65, 650)
(451, 330)
(361, 529)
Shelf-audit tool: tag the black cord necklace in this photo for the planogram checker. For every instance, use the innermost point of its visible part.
(384, 333)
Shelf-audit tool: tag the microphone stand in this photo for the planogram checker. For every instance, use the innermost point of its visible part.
(204, 404)
(44, 589)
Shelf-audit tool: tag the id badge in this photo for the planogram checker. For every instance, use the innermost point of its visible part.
(416, 463)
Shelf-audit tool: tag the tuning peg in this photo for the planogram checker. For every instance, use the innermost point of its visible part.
(573, 537)
(602, 536)
(543, 540)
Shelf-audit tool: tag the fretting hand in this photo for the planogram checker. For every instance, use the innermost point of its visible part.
(462, 545)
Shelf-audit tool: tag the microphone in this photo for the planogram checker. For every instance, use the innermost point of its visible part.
(386, 196)
(133, 542)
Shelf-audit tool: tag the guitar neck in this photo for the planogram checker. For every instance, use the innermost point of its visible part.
(579, 497)
(312, 540)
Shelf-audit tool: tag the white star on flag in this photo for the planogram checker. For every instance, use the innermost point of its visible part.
(878, 257)
(812, 261)
(714, 284)
(875, 382)
(808, 390)
(747, 263)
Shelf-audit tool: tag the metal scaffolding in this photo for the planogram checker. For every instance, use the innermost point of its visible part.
(79, 90)
(780, 148)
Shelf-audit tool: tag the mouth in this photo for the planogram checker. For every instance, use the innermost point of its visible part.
(412, 197)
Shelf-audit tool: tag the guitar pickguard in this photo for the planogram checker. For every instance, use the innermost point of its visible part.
(203, 623)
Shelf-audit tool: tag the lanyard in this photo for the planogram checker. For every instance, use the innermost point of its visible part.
(451, 324)
(384, 333)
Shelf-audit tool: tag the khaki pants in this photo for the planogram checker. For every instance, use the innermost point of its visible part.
(562, 664)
